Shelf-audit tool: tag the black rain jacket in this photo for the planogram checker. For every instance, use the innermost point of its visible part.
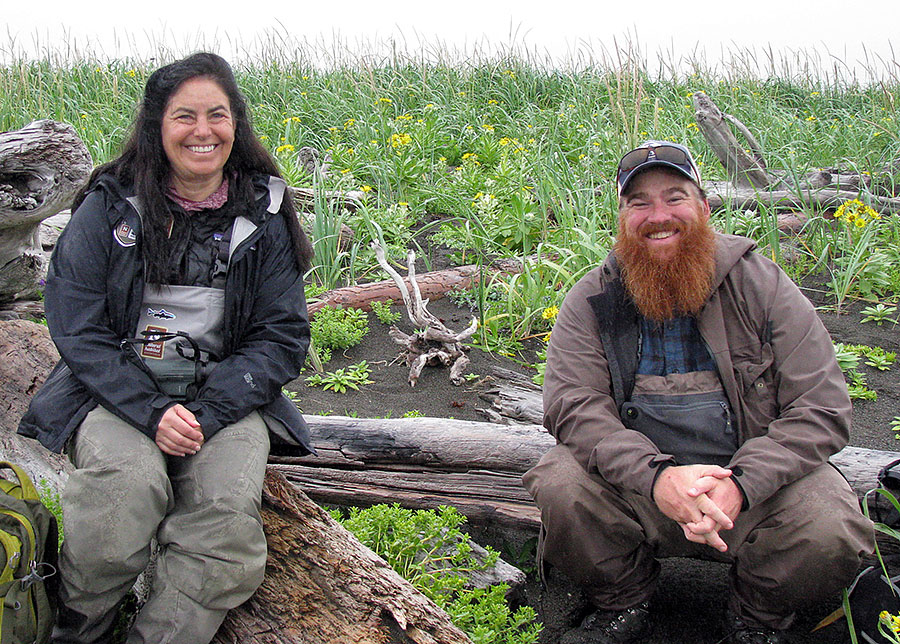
(93, 297)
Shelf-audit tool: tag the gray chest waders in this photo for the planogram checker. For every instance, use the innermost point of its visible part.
(179, 332)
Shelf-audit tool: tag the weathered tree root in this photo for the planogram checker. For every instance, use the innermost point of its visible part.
(434, 344)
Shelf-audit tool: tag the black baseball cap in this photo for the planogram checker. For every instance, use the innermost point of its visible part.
(656, 153)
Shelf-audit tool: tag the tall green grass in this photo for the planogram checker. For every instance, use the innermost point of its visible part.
(516, 153)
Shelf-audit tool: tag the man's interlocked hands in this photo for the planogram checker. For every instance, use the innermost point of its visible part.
(702, 499)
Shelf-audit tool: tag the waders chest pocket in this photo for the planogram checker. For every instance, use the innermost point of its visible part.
(179, 377)
(694, 428)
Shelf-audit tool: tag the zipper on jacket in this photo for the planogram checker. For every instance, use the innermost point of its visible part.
(727, 408)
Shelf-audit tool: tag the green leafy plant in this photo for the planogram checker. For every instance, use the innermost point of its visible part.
(857, 388)
(382, 311)
(850, 354)
(881, 359)
(847, 359)
(340, 380)
(428, 548)
(50, 499)
(413, 413)
(879, 314)
(338, 328)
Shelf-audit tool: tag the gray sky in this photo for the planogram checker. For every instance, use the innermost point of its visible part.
(832, 29)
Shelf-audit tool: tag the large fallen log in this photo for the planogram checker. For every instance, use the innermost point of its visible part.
(477, 467)
(323, 586)
(42, 166)
(433, 285)
(745, 169)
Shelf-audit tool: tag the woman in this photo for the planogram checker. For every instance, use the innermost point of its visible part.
(189, 232)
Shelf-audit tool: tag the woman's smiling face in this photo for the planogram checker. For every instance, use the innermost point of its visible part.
(198, 132)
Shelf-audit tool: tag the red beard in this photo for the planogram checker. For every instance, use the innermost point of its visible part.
(665, 289)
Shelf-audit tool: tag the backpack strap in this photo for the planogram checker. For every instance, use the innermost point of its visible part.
(26, 491)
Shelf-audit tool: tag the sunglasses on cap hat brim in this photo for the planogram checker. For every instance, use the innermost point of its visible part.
(656, 153)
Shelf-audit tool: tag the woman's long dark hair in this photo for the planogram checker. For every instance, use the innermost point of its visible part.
(143, 162)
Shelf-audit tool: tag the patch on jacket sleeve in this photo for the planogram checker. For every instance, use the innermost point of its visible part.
(125, 235)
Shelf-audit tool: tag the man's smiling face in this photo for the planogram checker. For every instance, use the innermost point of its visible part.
(658, 211)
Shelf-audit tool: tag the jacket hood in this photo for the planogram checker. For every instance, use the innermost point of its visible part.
(267, 187)
(729, 250)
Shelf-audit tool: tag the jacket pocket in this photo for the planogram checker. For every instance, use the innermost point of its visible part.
(755, 377)
(694, 428)
(749, 369)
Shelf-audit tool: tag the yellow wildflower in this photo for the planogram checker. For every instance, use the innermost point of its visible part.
(488, 127)
(493, 101)
(550, 313)
(366, 188)
(891, 621)
(284, 148)
(856, 213)
(383, 100)
(399, 139)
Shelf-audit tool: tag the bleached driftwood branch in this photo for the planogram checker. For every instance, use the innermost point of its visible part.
(433, 344)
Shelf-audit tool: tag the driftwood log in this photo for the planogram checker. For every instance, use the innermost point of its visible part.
(42, 166)
(323, 586)
(476, 467)
(433, 285)
(752, 184)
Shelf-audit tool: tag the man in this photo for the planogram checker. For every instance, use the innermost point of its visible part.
(695, 398)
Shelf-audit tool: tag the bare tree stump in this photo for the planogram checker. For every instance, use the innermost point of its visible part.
(323, 586)
(752, 185)
(743, 169)
(42, 166)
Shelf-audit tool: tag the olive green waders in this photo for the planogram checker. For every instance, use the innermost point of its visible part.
(203, 510)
